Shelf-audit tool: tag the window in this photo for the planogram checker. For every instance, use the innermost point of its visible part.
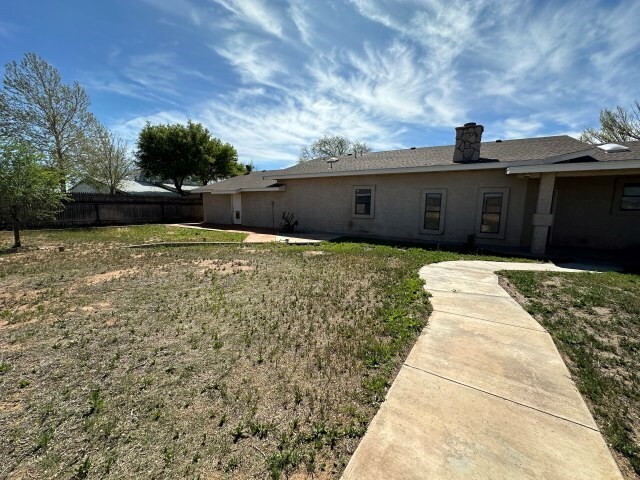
(491, 212)
(363, 201)
(630, 197)
(491, 217)
(433, 210)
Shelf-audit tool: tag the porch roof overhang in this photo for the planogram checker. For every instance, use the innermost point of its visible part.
(626, 167)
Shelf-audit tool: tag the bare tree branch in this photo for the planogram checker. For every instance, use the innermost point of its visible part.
(616, 126)
(36, 107)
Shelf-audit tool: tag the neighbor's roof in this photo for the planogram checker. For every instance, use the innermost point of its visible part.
(130, 187)
(185, 188)
(524, 150)
(138, 187)
(252, 181)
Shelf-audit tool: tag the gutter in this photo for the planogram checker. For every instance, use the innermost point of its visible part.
(576, 167)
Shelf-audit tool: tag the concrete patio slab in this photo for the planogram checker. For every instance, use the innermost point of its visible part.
(484, 394)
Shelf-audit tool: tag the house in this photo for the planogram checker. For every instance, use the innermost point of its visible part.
(529, 193)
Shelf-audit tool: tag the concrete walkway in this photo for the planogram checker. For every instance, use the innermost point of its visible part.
(265, 235)
(484, 394)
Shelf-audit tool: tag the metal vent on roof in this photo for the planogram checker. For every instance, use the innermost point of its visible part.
(613, 147)
(331, 161)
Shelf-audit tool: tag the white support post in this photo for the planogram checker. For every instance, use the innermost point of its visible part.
(543, 218)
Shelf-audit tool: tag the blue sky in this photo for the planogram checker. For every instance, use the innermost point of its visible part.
(270, 76)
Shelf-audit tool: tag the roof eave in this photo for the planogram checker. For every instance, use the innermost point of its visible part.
(576, 167)
(279, 188)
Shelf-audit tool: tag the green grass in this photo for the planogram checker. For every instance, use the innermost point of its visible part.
(130, 234)
(594, 319)
(231, 361)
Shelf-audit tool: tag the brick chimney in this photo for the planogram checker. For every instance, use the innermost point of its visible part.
(468, 139)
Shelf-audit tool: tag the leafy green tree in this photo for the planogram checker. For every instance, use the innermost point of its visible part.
(178, 152)
(105, 159)
(332, 146)
(619, 125)
(38, 108)
(30, 189)
(220, 162)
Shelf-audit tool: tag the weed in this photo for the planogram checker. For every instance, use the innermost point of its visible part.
(4, 367)
(96, 402)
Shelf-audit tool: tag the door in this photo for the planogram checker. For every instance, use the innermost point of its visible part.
(236, 203)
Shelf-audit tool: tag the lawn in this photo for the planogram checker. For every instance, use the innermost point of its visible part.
(132, 235)
(594, 319)
(219, 361)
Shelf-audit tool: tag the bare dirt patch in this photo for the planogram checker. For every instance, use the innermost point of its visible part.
(97, 307)
(109, 276)
(313, 253)
(223, 267)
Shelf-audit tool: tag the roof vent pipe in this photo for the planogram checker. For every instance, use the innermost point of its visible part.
(468, 138)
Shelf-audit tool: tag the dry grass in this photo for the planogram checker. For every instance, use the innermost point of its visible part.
(208, 362)
(595, 322)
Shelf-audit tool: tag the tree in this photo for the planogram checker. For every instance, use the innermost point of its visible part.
(37, 108)
(220, 162)
(178, 152)
(105, 159)
(332, 146)
(30, 189)
(619, 125)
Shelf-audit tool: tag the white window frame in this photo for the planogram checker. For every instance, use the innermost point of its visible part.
(504, 211)
(616, 208)
(372, 211)
(443, 209)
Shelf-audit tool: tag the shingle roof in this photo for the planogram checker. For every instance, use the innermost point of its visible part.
(251, 181)
(632, 154)
(492, 153)
(527, 149)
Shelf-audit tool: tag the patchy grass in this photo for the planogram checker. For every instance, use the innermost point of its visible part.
(594, 319)
(129, 234)
(221, 361)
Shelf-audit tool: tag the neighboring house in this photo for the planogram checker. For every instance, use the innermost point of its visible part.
(187, 189)
(127, 187)
(527, 193)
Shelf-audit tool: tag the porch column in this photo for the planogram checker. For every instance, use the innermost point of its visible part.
(543, 219)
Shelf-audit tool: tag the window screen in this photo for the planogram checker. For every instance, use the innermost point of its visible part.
(491, 213)
(432, 211)
(363, 201)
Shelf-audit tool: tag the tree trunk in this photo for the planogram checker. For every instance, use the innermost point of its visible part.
(16, 227)
(178, 184)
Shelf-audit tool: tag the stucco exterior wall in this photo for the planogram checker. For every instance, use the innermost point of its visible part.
(326, 204)
(588, 214)
(217, 208)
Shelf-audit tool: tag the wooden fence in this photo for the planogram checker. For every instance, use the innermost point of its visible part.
(89, 209)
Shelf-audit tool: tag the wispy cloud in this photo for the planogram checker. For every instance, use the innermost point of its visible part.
(155, 77)
(251, 58)
(255, 13)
